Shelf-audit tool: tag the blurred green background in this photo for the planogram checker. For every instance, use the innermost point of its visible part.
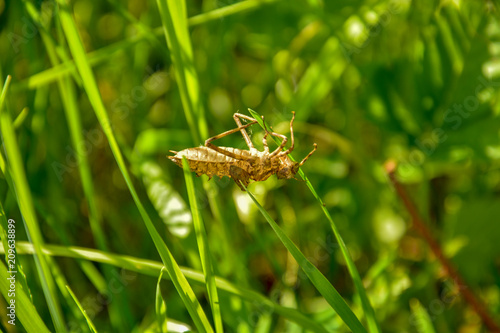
(416, 82)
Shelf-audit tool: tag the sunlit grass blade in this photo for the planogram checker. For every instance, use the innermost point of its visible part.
(89, 321)
(3, 94)
(5, 88)
(202, 240)
(175, 24)
(119, 311)
(4, 234)
(174, 18)
(228, 10)
(21, 118)
(160, 305)
(181, 284)
(104, 53)
(24, 310)
(353, 271)
(420, 318)
(321, 283)
(151, 268)
(23, 194)
(78, 322)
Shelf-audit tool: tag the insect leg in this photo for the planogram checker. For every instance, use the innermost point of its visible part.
(238, 174)
(280, 148)
(279, 151)
(209, 144)
(234, 130)
(289, 150)
(237, 120)
(308, 155)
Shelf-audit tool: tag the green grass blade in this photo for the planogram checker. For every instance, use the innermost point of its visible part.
(104, 53)
(119, 312)
(151, 268)
(20, 118)
(232, 9)
(353, 271)
(6, 240)
(176, 31)
(420, 318)
(89, 321)
(160, 305)
(23, 194)
(202, 240)
(3, 95)
(174, 18)
(175, 25)
(24, 309)
(90, 85)
(321, 283)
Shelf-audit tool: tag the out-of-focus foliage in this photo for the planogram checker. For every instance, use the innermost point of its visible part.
(412, 81)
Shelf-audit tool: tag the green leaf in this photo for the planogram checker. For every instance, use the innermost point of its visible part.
(321, 283)
(160, 305)
(24, 309)
(202, 240)
(87, 318)
(90, 85)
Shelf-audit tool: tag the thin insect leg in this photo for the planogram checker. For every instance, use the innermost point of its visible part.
(237, 120)
(308, 155)
(226, 133)
(279, 151)
(280, 148)
(222, 150)
(264, 139)
(208, 142)
(289, 150)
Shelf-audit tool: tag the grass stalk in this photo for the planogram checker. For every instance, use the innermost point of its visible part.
(353, 271)
(181, 284)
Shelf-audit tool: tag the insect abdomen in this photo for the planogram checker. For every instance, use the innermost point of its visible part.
(206, 161)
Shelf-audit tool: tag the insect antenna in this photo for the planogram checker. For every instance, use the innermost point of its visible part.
(308, 155)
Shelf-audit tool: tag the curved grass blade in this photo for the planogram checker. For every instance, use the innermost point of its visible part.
(103, 54)
(160, 305)
(353, 271)
(202, 240)
(228, 10)
(169, 204)
(25, 310)
(119, 312)
(151, 268)
(87, 318)
(89, 83)
(174, 18)
(321, 283)
(22, 191)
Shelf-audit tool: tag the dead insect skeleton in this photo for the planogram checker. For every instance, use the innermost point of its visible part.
(242, 165)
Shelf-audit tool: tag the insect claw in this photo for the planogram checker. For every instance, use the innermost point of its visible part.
(174, 152)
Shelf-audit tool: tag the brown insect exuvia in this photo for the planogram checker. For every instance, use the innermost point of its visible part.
(242, 165)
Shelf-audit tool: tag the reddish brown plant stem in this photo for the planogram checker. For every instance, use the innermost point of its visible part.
(421, 227)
